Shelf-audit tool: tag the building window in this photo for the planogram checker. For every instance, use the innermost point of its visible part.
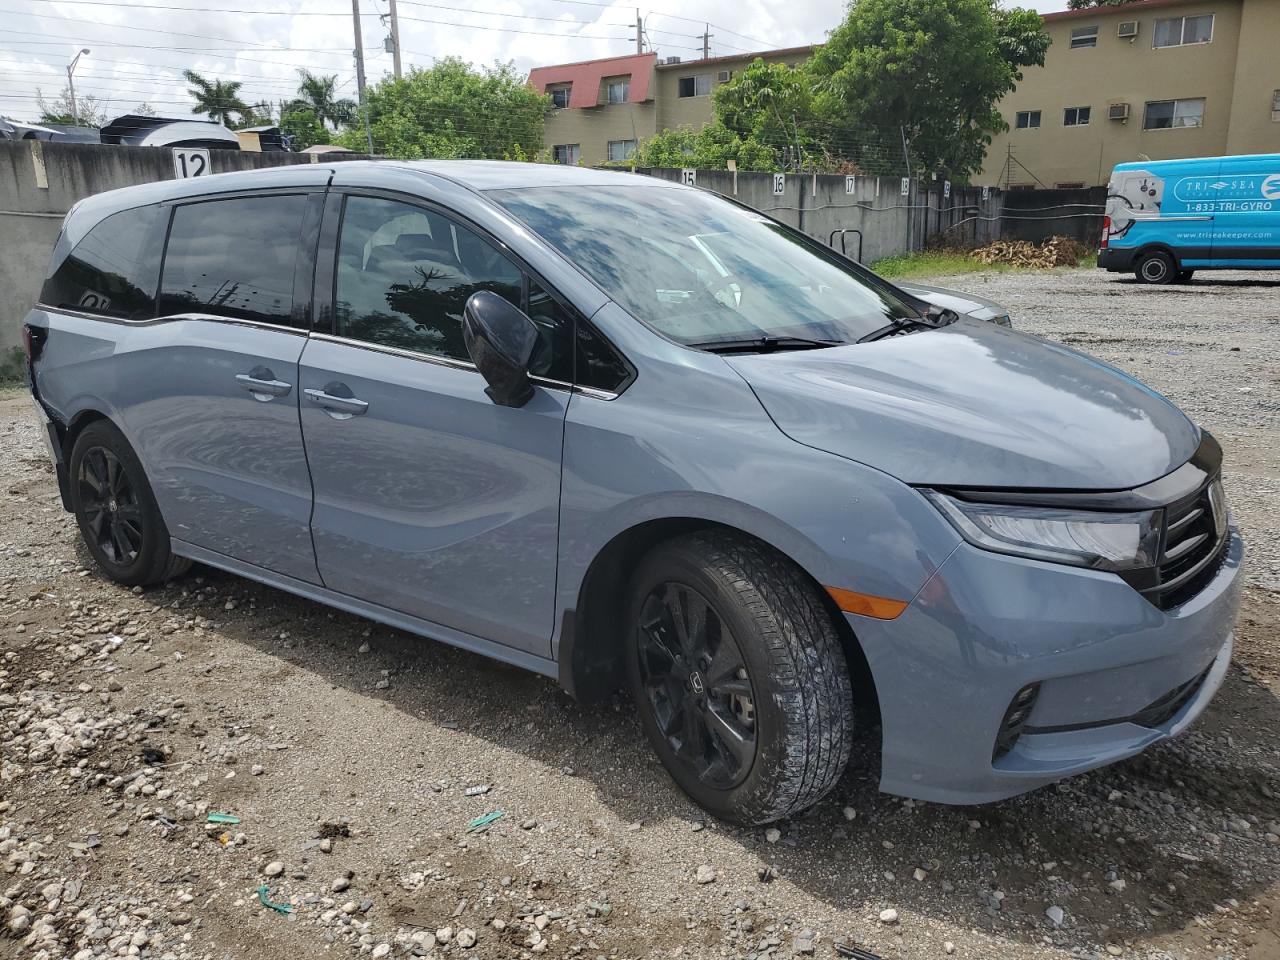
(1275, 106)
(567, 153)
(560, 96)
(617, 90)
(1027, 119)
(1076, 116)
(699, 86)
(1073, 185)
(1084, 37)
(1165, 114)
(1181, 31)
(621, 149)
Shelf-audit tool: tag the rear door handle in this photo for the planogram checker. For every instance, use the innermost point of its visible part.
(263, 384)
(340, 408)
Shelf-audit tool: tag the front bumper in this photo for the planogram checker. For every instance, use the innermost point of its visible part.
(986, 625)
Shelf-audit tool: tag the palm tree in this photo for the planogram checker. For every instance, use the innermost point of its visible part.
(218, 99)
(317, 95)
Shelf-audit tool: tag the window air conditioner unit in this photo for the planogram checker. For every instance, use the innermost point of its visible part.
(1118, 111)
(723, 76)
(671, 60)
(1127, 30)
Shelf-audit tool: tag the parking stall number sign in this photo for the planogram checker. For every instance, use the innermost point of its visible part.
(689, 177)
(190, 162)
(849, 184)
(779, 184)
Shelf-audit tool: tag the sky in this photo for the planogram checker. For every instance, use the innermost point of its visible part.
(139, 50)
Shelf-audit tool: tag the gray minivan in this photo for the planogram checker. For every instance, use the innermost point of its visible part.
(624, 432)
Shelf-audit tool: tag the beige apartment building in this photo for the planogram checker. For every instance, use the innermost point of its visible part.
(1154, 79)
(1159, 79)
(603, 108)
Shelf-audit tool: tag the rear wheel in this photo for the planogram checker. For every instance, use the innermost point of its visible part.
(116, 511)
(1155, 267)
(739, 675)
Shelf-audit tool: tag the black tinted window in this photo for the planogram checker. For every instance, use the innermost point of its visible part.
(233, 258)
(598, 363)
(113, 270)
(405, 273)
(553, 357)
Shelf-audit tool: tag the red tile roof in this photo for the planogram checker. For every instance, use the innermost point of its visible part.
(586, 76)
(1123, 9)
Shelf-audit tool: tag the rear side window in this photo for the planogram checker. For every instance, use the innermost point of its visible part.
(113, 270)
(233, 258)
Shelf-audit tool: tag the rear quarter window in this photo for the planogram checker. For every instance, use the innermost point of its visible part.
(114, 270)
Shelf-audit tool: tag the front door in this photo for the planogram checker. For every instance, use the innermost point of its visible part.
(210, 389)
(429, 499)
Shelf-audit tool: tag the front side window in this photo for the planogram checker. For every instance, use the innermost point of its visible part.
(1166, 114)
(699, 86)
(567, 153)
(560, 96)
(1027, 119)
(1084, 37)
(405, 273)
(618, 90)
(1076, 116)
(233, 258)
(1182, 31)
(703, 271)
(621, 149)
(113, 270)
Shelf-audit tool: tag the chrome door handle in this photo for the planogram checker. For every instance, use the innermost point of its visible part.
(264, 386)
(342, 406)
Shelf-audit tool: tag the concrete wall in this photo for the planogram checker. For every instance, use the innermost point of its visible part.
(40, 181)
(890, 224)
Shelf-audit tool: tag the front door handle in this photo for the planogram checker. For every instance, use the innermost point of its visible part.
(340, 408)
(262, 383)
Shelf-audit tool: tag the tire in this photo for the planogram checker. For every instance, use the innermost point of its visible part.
(1155, 267)
(1184, 276)
(116, 510)
(769, 668)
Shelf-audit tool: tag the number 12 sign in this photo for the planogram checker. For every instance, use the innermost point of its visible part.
(190, 162)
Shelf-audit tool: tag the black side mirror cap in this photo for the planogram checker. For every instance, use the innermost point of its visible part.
(500, 338)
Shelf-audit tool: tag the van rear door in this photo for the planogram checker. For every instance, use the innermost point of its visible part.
(1247, 221)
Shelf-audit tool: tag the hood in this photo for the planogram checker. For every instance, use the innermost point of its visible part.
(974, 405)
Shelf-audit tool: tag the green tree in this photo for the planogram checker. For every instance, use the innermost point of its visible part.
(451, 110)
(219, 100)
(710, 148)
(317, 94)
(88, 112)
(771, 104)
(1084, 4)
(929, 73)
(303, 127)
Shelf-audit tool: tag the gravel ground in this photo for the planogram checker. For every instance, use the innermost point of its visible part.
(348, 753)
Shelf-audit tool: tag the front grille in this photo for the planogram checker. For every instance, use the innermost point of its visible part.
(1193, 546)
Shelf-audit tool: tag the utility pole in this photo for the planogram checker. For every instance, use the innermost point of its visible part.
(706, 41)
(395, 39)
(359, 51)
(639, 32)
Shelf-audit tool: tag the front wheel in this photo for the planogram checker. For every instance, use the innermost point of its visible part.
(116, 511)
(739, 676)
(1155, 267)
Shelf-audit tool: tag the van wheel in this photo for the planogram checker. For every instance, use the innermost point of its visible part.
(1184, 276)
(116, 511)
(739, 676)
(1156, 267)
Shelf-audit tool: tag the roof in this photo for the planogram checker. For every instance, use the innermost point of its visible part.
(1126, 10)
(586, 76)
(779, 54)
(508, 175)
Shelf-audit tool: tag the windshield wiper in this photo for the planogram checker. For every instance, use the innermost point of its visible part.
(765, 344)
(932, 318)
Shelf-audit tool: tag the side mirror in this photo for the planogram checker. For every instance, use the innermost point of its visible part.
(501, 340)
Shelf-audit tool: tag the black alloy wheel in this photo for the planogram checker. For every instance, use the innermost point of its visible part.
(110, 503)
(697, 684)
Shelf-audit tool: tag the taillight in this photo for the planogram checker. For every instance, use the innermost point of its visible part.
(1106, 232)
(33, 339)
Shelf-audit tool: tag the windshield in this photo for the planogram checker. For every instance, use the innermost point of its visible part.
(703, 271)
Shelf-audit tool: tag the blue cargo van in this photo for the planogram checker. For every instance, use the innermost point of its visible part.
(1168, 218)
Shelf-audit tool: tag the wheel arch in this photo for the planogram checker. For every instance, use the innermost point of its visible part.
(593, 635)
(1155, 246)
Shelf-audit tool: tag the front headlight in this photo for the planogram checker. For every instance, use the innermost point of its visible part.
(1082, 538)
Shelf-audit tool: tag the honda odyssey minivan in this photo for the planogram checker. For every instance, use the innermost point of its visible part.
(623, 432)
